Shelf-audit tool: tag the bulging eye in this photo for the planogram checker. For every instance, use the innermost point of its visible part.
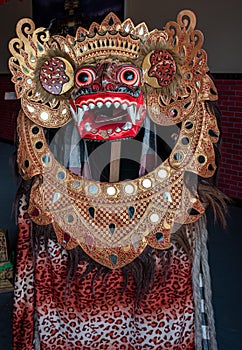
(129, 75)
(85, 76)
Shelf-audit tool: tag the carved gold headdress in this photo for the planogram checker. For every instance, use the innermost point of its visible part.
(162, 74)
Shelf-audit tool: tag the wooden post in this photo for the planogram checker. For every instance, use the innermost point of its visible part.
(115, 161)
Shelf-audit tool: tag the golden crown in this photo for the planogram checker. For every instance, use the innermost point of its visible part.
(110, 38)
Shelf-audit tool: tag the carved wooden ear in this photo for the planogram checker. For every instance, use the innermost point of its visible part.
(159, 68)
(56, 75)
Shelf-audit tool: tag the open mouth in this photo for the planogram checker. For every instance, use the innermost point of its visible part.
(108, 116)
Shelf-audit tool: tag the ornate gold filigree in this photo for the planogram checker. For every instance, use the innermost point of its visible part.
(155, 201)
(113, 223)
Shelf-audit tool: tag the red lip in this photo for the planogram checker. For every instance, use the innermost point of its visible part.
(108, 115)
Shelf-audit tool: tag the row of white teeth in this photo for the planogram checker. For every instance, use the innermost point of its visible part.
(126, 126)
(133, 110)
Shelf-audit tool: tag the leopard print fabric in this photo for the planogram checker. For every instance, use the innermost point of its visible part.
(73, 317)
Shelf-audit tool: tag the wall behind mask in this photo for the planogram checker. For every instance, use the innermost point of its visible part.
(10, 13)
(219, 20)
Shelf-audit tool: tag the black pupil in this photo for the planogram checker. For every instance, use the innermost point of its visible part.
(83, 77)
(129, 75)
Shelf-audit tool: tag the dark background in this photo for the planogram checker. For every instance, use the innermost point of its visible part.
(44, 10)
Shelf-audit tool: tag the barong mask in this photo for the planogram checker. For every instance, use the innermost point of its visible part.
(111, 81)
(108, 103)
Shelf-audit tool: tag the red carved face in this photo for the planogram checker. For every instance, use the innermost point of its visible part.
(107, 103)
